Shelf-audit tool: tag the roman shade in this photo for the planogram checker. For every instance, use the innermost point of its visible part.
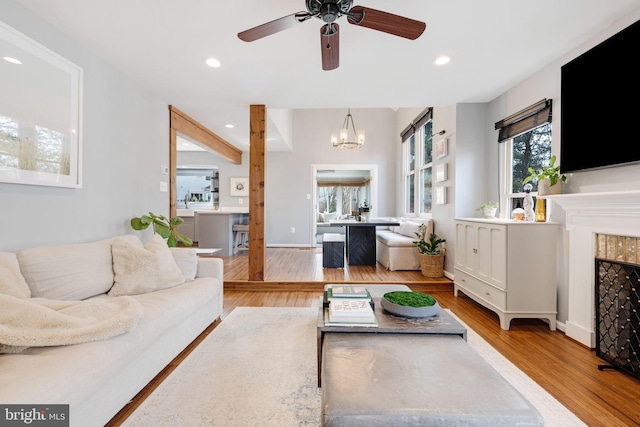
(419, 121)
(524, 120)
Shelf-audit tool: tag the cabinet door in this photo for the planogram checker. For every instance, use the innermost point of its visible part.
(466, 243)
(491, 254)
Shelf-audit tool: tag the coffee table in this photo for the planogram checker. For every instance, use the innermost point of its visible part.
(441, 324)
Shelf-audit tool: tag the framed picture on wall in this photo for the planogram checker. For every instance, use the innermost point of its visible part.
(441, 172)
(40, 114)
(441, 195)
(440, 148)
(239, 186)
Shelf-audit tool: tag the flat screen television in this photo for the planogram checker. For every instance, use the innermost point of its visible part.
(600, 105)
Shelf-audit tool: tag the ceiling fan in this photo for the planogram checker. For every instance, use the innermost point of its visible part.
(329, 11)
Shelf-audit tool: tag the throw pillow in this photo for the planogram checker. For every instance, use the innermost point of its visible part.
(187, 261)
(409, 229)
(138, 269)
(11, 280)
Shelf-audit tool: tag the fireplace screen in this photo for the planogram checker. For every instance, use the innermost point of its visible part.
(618, 315)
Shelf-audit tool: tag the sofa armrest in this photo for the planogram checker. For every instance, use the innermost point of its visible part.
(210, 267)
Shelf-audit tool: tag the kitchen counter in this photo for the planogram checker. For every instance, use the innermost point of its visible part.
(224, 210)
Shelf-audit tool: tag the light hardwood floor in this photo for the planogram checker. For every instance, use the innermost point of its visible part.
(566, 369)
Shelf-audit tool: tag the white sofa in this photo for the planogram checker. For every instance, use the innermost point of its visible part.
(395, 249)
(99, 378)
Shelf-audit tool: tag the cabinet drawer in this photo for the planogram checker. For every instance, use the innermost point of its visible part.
(480, 289)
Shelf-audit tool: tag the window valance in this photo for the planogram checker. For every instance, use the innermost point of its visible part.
(524, 120)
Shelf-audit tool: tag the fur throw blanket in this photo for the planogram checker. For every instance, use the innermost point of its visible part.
(39, 322)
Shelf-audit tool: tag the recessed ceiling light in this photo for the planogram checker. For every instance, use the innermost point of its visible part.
(212, 62)
(12, 60)
(229, 125)
(442, 60)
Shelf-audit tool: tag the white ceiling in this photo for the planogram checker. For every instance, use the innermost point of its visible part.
(162, 44)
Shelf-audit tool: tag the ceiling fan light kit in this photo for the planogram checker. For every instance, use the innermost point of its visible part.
(331, 10)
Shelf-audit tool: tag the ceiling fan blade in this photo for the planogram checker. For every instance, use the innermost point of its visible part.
(386, 22)
(330, 44)
(274, 26)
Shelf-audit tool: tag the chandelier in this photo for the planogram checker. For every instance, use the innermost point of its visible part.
(348, 138)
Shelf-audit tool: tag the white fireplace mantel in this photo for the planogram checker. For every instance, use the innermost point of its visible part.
(586, 214)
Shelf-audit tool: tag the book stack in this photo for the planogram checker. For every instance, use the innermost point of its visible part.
(349, 306)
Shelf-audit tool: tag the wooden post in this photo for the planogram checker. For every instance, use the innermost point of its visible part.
(257, 150)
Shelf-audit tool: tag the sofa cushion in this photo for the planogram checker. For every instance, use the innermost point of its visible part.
(140, 269)
(391, 239)
(11, 280)
(409, 229)
(187, 261)
(69, 272)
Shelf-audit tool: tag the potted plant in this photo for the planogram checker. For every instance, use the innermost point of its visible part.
(488, 209)
(431, 255)
(167, 228)
(548, 178)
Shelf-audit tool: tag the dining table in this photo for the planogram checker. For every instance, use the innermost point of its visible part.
(361, 239)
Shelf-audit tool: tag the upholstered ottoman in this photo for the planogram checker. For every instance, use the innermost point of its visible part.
(415, 380)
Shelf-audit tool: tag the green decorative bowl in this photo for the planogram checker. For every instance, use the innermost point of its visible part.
(410, 304)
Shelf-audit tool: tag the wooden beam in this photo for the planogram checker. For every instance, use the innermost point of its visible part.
(257, 149)
(184, 124)
(173, 164)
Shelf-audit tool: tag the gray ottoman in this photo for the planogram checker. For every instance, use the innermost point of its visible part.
(415, 380)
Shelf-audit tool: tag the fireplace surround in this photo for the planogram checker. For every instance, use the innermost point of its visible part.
(584, 216)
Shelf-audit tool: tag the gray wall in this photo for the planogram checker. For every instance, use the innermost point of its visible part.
(125, 142)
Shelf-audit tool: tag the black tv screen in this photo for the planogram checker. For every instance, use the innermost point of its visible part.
(600, 105)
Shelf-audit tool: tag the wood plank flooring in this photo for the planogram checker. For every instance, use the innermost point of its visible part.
(566, 369)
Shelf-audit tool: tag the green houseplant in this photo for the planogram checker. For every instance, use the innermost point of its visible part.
(167, 228)
(488, 209)
(549, 178)
(431, 255)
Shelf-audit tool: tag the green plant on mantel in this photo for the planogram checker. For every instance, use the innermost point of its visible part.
(430, 247)
(166, 228)
(551, 172)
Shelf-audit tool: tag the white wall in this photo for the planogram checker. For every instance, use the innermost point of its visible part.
(546, 84)
(125, 142)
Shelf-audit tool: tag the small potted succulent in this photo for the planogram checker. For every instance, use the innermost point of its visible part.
(488, 209)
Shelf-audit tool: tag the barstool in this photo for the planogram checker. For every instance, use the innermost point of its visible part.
(241, 242)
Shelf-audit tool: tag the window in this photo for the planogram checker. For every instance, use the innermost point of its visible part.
(342, 199)
(418, 164)
(526, 143)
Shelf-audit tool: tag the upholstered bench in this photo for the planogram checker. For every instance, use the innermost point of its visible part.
(333, 250)
(415, 380)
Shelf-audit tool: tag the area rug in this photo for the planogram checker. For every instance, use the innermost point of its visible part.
(258, 368)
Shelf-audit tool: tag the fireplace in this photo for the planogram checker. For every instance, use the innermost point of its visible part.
(618, 315)
(589, 218)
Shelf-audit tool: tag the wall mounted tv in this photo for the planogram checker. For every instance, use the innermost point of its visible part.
(600, 105)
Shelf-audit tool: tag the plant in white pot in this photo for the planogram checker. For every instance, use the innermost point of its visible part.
(431, 255)
(488, 209)
(549, 178)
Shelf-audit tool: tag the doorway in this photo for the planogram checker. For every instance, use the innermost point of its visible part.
(357, 182)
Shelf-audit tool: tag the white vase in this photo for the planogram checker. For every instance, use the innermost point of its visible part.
(489, 213)
(546, 189)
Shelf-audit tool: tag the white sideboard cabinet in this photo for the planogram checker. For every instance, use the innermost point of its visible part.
(508, 266)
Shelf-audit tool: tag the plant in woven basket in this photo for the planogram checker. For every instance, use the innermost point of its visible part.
(430, 247)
